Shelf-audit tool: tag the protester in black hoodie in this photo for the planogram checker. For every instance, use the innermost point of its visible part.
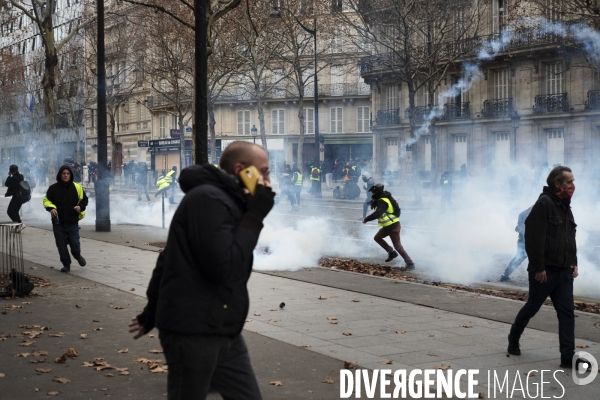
(197, 297)
(13, 183)
(66, 201)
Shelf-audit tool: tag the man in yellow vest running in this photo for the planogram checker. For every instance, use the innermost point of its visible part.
(387, 214)
(297, 180)
(171, 179)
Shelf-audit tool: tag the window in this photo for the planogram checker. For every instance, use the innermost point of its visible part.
(502, 149)
(161, 126)
(391, 154)
(309, 120)
(174, 124)
(422, 97)
(390, 97)
(363, 119)
(138, 111)
(93, 117)
(243, 122)
(308, 77)
(554, 78)
(553, 9)
(278, 83)
(337, 80)
(427, 158)
(555, 153)
(278, 122)
(123, 73)
(460, 151)
(500, 81)
(500, 15)
(337, 41)
(336, 114)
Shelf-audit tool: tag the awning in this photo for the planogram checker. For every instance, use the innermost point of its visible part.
(368, 140)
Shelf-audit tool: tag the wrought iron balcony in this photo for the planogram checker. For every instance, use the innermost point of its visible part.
(495, 108)
(291, 92)
(550, 103)
(593, 101)
(456, 111)
(388, 117)
(419, 114)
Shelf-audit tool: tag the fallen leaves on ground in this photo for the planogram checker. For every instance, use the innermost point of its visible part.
(322, 298)
(349, 365)
(33, 334)
(305, 346)
(356, 301)
(43, 370)
(276, 383)
(71, 352)
(530, 373)
(26, 343)
(328, 380)
(77, 306)
(248, 320)
(83, 336)
(581, 346)
(40, 361)
(155, 351)
(27, 302)
(38, 327)
(116, 307)
(123, 351)
(23, 355)
(386, 362)
(11, 307)
(273, 320)
(53, 393)
(64, 381)
(443, 367)
(151, 336)
(2, 375)
(273, 309)
(257, 314)
(347, 334)
(40, 353)
(467, 325)
(57, 334)
(401, 332)
(332, 318)
(109, 375)
(481, 395)
(98, 329)
(61, 359)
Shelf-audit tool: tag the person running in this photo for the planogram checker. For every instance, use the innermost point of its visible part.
(387, 214)
(13, 183)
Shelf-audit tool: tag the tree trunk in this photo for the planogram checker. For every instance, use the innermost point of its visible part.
(261, 122)
(302, 131)
(434, 166)
(181, 140)
(414, 147)
(48, 84)
(213, 136)
(113, 142)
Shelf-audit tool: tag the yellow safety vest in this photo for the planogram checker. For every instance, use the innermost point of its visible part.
(317, 178)
(298, 179)
(48, 204)
(170, 178)
(162, 183)
(387, 218)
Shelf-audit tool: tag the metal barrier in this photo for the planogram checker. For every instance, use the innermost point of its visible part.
(12, 266)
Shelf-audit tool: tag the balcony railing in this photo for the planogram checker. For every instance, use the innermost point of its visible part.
(519, 39)
(495, 108)
(593, 101)
(550, 103)
(388, 117)
(291, 92)
(166, 99)
(456, 111)
(420, 113)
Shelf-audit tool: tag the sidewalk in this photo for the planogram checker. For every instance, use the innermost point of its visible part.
(381, 329)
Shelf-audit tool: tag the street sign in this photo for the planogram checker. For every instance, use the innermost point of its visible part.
(165, 142)
(143, 143)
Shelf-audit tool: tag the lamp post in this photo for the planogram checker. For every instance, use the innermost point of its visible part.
(101, 187)
(313, 32)
(254, 131)
(515, 119)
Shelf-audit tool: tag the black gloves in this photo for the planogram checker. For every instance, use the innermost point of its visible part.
(261, 203)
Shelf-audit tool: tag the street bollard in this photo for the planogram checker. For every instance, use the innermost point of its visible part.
(163, 209)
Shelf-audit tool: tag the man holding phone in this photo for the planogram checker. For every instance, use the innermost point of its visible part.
(197, 297)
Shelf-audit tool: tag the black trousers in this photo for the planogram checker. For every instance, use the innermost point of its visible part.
(199, 364)
(559, 287)
(13, 209)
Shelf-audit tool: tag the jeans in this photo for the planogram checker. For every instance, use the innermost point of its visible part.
(296, 193)
(559, 287)
(199, 364)
(13, 209)
(366, 204)
(173, 188)
(67, 236)
(519, 258)
(394, 235)
(328, 179)
(139, 187)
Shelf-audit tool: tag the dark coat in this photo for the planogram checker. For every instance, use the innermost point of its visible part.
(64, 196)
(550, 233)
(199, 283)
(12, 183)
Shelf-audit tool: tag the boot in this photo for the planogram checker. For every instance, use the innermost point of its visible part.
(504, 278)
(66, 268)
(409, 267)
(81, 261)
(391, 255)
(513, 347)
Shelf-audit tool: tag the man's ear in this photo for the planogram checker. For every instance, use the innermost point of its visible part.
(237, 168)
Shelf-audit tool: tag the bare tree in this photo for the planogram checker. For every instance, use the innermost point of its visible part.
(415, 43)
(44, 16)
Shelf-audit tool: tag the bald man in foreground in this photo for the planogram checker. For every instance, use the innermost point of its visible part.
(198, 295)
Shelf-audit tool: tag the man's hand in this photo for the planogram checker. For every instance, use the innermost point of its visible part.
(77, 208)
(575, 271)
(541, 277)
(53, 212)
(135, 326)
(364, 221)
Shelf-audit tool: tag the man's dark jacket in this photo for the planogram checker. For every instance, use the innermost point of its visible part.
(380, 207)
(550, 234)
(13, 183)
(64, 196)
(199, 283)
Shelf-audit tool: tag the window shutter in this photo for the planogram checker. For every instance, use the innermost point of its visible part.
(339, 120)
(246, 122)
(281, 121)
(332, 118)
(311, 120)
(367, 118)
(359, 119)
(240, 127)
(274, 115)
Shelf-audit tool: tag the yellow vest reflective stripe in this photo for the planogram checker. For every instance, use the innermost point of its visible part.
(48, 204)
(170, 178)
(298, 179)
(317, 178)
(387, 218)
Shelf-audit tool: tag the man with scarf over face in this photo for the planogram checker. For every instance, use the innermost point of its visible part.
(552, 252)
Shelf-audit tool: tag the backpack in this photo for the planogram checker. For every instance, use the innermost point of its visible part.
(397, 210)
(20, 283)
(314, 173)
(24, 192)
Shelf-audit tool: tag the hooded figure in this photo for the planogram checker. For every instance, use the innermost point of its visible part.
(66, 201)
(198, 295)
(13, 183)
(366, 177)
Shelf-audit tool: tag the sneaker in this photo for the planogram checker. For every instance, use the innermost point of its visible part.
(514, 348)
(19, 229)
(504, 278)
(569, 365)
(409, 267)
(81, 261)
(66, 268)
(391, 255)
